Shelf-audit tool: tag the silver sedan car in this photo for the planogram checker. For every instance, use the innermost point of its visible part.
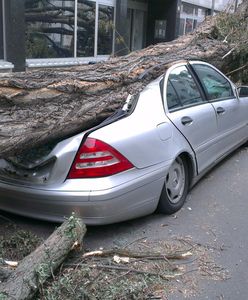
(145, 157)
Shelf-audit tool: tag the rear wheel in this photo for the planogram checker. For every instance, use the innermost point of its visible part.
(175, 188)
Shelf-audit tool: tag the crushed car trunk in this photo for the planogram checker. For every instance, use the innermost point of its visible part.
(36, 165)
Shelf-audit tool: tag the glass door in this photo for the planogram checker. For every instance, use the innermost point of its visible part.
(49, 28)
(136, 18)
(138, 29)
(105, 29)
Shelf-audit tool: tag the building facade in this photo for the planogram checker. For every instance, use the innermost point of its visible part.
(46, 33)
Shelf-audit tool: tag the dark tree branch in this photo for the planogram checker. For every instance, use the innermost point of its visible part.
(34, 269)
(44, 105)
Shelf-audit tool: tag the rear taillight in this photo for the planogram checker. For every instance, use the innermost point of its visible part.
(97, 159)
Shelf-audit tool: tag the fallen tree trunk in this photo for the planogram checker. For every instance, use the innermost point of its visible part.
(4, 274)
(45, 105)
(33, 270)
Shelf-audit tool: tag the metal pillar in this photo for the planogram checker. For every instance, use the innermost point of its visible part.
(213, 7)
(121, 34)
(14, 16)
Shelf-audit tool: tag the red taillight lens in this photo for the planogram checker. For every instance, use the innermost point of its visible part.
(97, 159)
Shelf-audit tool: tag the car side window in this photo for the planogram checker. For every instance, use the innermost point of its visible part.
(181, 89)
(216, 86)
(172, 98)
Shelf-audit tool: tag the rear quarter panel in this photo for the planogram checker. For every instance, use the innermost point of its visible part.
(146, 137)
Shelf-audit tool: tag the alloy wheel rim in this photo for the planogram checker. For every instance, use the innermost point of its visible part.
(175, 181)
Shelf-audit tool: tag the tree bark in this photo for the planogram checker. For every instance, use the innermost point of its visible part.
(45, 105)
(34, 269)
(4, 274)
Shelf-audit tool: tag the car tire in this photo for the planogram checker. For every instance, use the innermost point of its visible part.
(175, 188)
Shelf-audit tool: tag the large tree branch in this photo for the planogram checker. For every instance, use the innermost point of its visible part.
(46, 9)
(50, 18)
(43, 105)
(57, 30)
(34, 269)
(58, 19)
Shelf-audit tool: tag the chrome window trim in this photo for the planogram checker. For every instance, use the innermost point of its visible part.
(185, 63)
(166, 76)
(170, 69)
(187, 106)
(233, 87)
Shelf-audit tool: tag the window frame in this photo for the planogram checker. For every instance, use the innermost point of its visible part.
(196, 81)
(75, 59)
(195, 16)
(191, 66)
(2, 20)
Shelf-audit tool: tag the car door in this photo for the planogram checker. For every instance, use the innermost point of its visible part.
(231, 113)
(192, 115)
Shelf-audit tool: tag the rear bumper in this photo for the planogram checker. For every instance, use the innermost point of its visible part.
(134, 198)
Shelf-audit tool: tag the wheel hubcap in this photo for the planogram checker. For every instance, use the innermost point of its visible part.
(175, 181)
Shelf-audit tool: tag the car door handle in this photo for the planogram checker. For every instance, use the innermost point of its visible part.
(220, 110)
(186, 121)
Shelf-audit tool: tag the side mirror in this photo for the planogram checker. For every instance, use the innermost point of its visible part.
(243, 91)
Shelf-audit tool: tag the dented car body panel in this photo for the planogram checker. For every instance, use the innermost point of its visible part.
(151, 136)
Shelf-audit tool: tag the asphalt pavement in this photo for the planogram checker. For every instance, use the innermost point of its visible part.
(215, 214)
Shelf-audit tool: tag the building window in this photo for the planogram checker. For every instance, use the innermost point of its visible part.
(188, 9)
(160, 29)
(1, 31)
(105, 29)
(136, 22)
(188, 25)
(191, 16)
(86, 28)
(69, 28)
(49, 28)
